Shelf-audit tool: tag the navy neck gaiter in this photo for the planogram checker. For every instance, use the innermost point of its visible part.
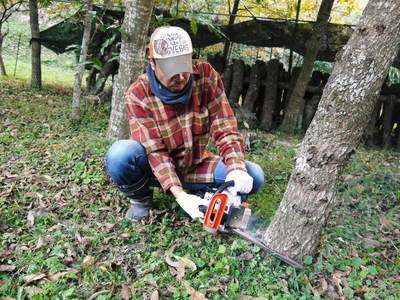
(165, 95)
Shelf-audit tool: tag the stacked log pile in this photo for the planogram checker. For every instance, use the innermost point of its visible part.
(262, 91)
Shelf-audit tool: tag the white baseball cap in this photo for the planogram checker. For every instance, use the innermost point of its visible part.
(171, 48)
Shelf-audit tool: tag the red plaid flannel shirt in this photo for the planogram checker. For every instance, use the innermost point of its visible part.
(176, 136)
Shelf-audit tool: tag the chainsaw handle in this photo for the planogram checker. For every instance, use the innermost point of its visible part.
(224, 186)
(227, 184)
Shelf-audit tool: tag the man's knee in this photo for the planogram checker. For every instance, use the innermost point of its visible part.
(123, 150)
(121, 154)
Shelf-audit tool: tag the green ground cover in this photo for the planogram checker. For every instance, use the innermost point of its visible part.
(63, 236)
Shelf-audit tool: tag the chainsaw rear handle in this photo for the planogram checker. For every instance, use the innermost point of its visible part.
(222, 188)
(227, 184)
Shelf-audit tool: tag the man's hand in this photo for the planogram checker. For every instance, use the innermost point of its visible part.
(243, 182)
(190, 204)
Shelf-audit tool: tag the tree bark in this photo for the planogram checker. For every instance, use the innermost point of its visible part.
(228, 79)
(387, 124)
(228, 43)
(2, 66)
(238, 70)
(135, 26)
(336, 130)
(76, 96)
(296, 100)
(268, 110)
(372, 132)
(36, 75)
(250, 100)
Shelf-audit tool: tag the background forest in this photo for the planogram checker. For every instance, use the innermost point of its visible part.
(62, 231)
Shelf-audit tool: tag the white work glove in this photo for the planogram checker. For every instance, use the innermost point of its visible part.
(190, 204)
(243, 182)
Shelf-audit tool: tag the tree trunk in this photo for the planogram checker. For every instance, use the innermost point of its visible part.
(36, 77)
(76, 96)
(135, 26)
(268, 110)
(296, 100)
(254, 86)
(228, 79)
(372, 132)
(387, 124)
(238, 70)
(2, 66)
(309, 110)
(227, 43)
(338, 125)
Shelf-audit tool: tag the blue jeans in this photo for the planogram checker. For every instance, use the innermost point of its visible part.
(129, 169)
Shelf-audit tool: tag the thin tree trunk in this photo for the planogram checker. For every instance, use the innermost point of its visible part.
(228, 74)
(36, 77)
(76, 96)
(387, 124)
(268, 110)
(254, 86)
(227, 44)
(2, 66)
(312, 48)
(238, 70)
(135, 26)
(343, 114)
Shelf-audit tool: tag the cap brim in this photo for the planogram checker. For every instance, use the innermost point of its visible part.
(175, 65)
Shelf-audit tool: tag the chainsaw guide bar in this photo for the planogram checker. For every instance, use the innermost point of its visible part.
(229, 213)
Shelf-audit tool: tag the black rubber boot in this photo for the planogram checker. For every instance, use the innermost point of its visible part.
(139, 209)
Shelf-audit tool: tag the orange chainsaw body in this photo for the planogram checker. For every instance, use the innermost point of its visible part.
(215, 213)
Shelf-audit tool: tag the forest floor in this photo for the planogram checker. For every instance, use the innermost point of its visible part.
(63, 235)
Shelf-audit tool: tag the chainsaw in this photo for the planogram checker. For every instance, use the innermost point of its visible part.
(231, 213)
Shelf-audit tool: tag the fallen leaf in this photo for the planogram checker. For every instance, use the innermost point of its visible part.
(172, 289)
(109, 226)
(196, 295)
(151, 282)
(155, 295)
(54, 227)
(180, 270)
(57, 197)
(336, 278)
(41, 241)
(6, 193)
(126, 292)
(215, 289)
(105, 208)
(58, 275)
(189, 263)
(370, 243)
(173, 271)
(155, 268)
(34, 277)
(387, 223)
(94, 296)
(78, 236)
(88, 261)
(362, 290)
(104, 269)
(32, 290)
(7, 268)
(324, 284)
(125, 236)
(170, 262)
(36, 212)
